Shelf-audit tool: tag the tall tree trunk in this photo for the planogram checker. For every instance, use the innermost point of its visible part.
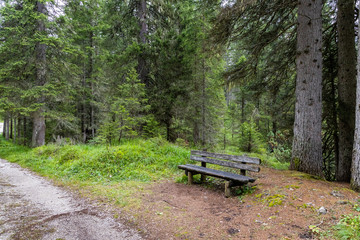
(307, 149)
(6, 127)
(347, 86)
(25, 131)
(274, 110)
(242, 106)
(14, 130)
(11, 127)
(335, 123)
(203, 104)
(355, 167)
(142, 68)
(38, 135)
(19, 127)
(90, 81)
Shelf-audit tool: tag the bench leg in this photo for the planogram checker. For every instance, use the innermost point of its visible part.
(203, 178)
(227, 189)
(190, 178)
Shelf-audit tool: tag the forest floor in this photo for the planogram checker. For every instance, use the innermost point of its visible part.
(279, 205)
(282, 205)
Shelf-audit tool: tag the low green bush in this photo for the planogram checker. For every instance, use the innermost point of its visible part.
(348, 228)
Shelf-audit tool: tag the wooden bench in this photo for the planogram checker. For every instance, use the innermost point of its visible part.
(231, 161)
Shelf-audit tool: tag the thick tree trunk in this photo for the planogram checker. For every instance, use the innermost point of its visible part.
(355, 167)
(347, 86)
(38, 135)
(307, 148)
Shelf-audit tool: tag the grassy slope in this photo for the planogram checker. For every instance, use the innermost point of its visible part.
(113, 172)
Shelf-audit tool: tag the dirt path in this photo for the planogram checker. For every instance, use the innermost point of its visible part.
(284, 205)
(33, 208)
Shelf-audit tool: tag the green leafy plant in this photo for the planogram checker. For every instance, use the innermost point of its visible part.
(356, 206)
(245, 190)
(348, 228)
(279, 144)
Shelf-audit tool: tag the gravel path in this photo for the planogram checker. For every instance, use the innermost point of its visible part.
(33, 208)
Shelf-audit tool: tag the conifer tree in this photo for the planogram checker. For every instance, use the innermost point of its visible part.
(347, 86)
(307, 147)
(355, 167)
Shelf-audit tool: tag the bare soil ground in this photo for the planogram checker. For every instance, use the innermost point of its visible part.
(33, 208)
(284, 205)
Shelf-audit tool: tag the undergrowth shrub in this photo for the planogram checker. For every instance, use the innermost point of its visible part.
(250, 139)
(69, 153)
(280, 145)
(348, 228)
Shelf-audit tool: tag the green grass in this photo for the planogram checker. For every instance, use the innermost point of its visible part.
(138, 160)
(348, 228)
(113, 173)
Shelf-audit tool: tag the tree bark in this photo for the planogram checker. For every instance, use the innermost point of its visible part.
(347, 86)
(203, 104)
(11, 127)
(90, 81)
(38, 135)
(307, 147)
(25, 131)
(6, 127)
(14, 130)
(355, 167)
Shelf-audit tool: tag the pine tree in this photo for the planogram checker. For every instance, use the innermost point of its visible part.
(307, 148)
(347, 86)
(355, 167)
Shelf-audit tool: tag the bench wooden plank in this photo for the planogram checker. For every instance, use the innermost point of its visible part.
(216, 173)
(234, 158)
(225, 163)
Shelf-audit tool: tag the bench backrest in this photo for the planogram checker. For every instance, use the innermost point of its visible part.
(233, 161)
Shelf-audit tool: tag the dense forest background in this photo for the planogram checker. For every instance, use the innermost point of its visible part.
(206, 73)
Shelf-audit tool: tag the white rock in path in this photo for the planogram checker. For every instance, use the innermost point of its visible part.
(322, 210)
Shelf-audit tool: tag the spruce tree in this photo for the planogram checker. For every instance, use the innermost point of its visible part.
(307, 145)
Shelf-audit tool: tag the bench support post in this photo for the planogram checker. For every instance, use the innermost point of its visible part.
(190, 178)
(203, 176)
(243, 172)
(227, 189)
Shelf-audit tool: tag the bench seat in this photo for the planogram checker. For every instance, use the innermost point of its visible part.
(243, 163)
(217, 173)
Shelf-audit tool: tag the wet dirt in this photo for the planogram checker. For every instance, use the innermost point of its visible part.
(31, 207)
